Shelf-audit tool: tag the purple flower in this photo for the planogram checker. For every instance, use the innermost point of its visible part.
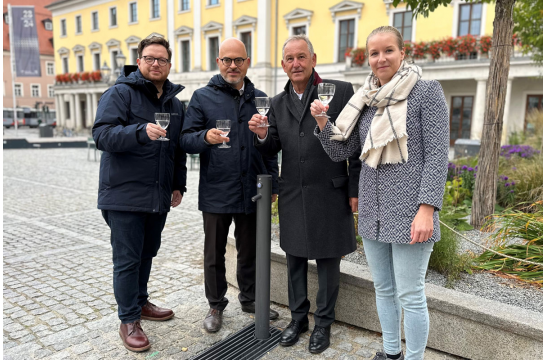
(505, 178)
(506, 184)
(513, 183)
(464, 167)
(512, 191)
(469, 169)
(514, 168)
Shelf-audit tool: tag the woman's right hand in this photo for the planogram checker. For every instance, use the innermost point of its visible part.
(316, 109)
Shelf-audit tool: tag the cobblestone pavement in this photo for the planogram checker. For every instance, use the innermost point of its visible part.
(58, 299)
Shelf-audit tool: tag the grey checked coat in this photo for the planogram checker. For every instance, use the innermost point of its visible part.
(316, 221)
(390, 196)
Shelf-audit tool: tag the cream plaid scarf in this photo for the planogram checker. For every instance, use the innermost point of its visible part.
(386, 141)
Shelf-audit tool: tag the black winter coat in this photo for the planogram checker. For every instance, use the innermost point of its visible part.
(137, 174)
(228, 177)
(315, 217)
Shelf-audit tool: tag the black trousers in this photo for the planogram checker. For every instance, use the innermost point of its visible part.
(328, 289)
(216, 230)
(135, 239)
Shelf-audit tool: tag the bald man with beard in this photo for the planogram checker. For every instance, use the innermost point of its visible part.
(228, 176)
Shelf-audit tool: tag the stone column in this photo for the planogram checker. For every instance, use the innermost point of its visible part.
(89, 118)
(228, 19)
(170, 31)
(78, 121)
(72, 123)
(263, 33)
(197, 36)
(94, 106)
(508, 125)
(478, 110)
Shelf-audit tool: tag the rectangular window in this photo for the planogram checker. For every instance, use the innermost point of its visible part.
(65, 69)
(461, 113)
(96, 61)
(94, 20)
(299, 30)
(469, 22)
(246, 38)
(186, 56)
(114, 63)
(50, 68)
(63, 27)
(80, 63)
(184, 5)
(48, 25)
(213, 50)
(533, 102)
(35, 90)
(154, 9)
(346, 37)
(18, 89)
(78, 24)
(67, 109)
(134, 56)
(403, 21)
(113, 16)
(50, 91)
(213, 2)
(133, 13)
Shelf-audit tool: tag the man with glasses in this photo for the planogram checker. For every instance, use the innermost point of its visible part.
(228, 176)
(140, 179)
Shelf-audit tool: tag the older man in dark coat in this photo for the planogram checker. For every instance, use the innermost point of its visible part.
(317, 196)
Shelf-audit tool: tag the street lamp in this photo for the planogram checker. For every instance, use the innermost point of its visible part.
(120, 61)
(105, 72)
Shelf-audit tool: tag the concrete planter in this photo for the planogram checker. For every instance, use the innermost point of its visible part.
(460, 324)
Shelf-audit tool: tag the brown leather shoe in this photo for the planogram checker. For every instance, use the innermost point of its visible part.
(155, 313)
(133, 337)
(213, 320)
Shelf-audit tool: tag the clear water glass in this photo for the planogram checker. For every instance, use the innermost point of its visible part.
(224, 126)
(163, 120)
(325, 95)
(263, 105)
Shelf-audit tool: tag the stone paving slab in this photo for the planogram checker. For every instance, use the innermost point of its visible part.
(58, 300)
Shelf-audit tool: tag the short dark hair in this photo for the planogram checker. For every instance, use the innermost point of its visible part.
(154, 40)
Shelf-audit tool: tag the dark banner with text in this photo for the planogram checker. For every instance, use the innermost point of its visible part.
(25, 41)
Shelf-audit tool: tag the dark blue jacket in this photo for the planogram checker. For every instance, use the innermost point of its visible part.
(228, 177)
(137, 174)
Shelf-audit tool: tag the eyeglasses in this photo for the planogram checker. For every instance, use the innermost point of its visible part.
(238, 61)
(150, 60)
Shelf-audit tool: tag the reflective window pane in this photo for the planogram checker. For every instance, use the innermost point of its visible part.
(464, 28)
(398, 20)
(408, 18)
(475, 27)
(407, 32)
(476, 11)
(464, 12)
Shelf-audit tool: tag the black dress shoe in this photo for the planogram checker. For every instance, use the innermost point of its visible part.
(292, 332)
(250, 308)
(319, 340)
(213, 320)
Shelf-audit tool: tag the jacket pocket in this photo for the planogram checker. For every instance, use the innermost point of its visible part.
(340, 181)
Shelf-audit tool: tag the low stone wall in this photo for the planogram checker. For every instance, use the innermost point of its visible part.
(460, 324)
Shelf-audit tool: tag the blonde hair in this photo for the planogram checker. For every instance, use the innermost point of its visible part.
(386, 29)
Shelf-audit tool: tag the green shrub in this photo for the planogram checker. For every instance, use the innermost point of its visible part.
(525, 179)
(274, 212)
(446, 259)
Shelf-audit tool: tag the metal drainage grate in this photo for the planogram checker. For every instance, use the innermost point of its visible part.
(242, 345)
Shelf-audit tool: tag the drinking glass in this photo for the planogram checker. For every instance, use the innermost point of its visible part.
(262, 104)
(224, 126)
(325, 94)
(162, 119)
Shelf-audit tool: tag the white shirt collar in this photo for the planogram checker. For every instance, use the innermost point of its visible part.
(299, 95)
(241, 91)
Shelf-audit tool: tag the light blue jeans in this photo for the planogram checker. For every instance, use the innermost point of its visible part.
(399, 272)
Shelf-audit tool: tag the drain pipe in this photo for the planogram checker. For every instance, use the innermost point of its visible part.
(263, 257)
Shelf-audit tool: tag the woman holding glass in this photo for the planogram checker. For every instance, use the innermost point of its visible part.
(401, 125)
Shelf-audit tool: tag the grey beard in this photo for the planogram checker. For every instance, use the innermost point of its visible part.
(232, 82)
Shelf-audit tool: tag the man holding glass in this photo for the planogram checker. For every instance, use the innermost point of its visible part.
(218, 114)
(317, 196)
(140, 178)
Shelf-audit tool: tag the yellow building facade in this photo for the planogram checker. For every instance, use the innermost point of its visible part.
(88, 35)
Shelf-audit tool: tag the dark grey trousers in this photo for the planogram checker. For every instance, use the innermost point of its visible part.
(216, 230)
(328, 289)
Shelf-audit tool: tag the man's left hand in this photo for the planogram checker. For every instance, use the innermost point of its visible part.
(273, 198)
(422, 226)
(353, 204)
(176, 198)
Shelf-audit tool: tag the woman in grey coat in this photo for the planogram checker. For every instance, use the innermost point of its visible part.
(402, 127)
